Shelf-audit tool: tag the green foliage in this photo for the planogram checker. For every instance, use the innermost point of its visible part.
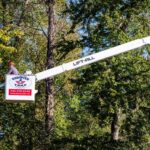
(7, 34)
(120, 83)
(88, 99)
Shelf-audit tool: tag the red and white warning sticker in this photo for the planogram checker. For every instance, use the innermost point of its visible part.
(20, 92)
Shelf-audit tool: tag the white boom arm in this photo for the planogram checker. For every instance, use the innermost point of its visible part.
(93, 58)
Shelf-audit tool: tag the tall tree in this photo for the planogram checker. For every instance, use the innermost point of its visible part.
(49, 103)
(102, 26)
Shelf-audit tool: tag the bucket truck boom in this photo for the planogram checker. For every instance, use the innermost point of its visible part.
(22, 87)
(93, 58)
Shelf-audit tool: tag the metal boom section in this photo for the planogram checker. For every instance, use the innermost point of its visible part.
(93, 58)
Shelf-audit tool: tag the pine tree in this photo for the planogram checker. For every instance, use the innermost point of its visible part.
(106, 87)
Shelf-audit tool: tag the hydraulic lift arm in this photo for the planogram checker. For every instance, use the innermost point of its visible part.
(93, 58)
(21, 88)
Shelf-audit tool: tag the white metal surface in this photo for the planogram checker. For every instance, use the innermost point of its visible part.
(93, 58)
(20, 88)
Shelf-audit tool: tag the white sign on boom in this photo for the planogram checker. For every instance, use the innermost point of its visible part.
(20, 88)
(93, 58)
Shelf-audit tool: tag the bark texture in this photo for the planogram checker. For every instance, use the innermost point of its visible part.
(49, 103)
(115, 126)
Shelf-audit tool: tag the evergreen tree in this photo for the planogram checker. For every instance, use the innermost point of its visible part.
(106, 89)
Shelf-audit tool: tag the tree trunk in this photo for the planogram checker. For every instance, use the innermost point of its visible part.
(49, 103)
(30, 146)
(115, 126)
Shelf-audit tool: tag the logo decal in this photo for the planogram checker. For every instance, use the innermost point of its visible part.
(20, 82)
